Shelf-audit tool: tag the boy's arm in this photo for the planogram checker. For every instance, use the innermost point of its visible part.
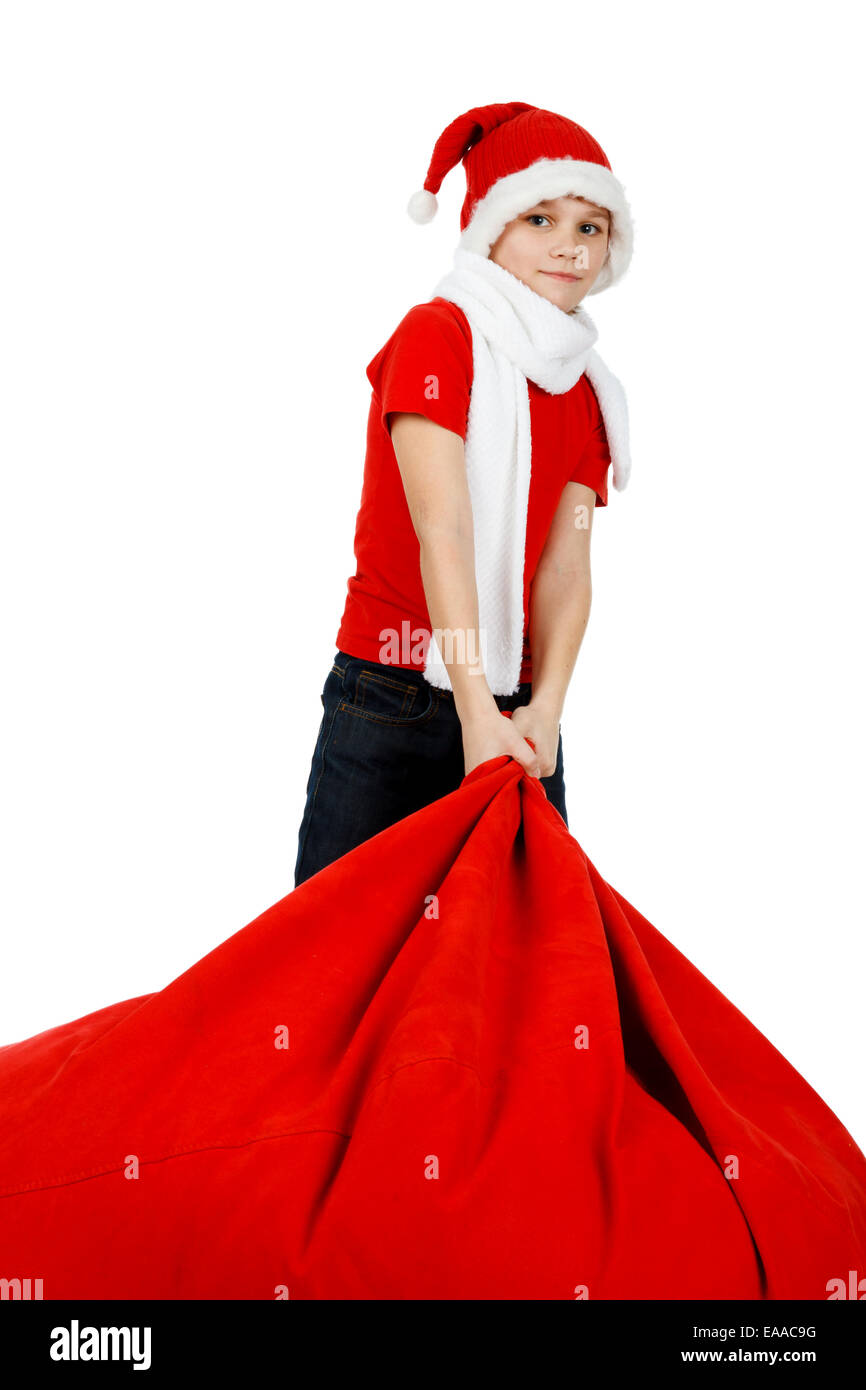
(560, 600)
(432, 466)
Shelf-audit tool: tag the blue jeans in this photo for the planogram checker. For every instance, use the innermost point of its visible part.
(389, 743)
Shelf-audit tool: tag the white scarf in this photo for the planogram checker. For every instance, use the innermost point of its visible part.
(516, 334)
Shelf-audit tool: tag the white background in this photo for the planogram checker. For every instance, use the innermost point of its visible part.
(204, 242)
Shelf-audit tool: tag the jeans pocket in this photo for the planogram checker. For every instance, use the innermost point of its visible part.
(387, 695)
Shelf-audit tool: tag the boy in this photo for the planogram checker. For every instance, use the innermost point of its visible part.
(492, 426)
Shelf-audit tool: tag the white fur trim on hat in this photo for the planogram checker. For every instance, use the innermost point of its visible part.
(513, 194)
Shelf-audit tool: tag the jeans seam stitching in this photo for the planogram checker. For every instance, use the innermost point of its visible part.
(393, 720)
(303, 847)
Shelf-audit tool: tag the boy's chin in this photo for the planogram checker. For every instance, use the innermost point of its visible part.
(560, 295)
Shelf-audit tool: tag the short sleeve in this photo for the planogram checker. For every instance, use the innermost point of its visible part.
(592, 470)
(426, 368)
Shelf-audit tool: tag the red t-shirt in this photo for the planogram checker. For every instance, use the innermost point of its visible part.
(569, 444)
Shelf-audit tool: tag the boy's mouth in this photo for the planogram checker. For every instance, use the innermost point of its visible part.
(560, 275)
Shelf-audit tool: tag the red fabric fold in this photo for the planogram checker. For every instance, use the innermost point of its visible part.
(432, 1130)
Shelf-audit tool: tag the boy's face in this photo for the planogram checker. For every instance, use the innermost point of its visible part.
(557, 248)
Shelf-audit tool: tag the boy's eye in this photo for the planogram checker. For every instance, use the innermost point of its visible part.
(536, 217)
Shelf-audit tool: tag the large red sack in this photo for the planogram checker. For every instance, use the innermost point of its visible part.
(432, 1130)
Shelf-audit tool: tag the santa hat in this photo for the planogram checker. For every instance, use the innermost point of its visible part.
(514, 156)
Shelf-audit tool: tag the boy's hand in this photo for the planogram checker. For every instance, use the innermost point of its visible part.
(542, 726)
(490, 734)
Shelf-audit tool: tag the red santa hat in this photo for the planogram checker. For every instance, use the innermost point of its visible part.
(514, 156)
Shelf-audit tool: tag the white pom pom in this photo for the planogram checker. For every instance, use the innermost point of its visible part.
(422, 206)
